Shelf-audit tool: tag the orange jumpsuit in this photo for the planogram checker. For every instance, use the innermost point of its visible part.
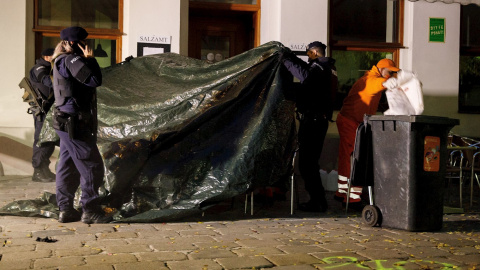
(362, 99)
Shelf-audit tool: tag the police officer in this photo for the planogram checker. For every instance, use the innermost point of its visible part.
(76, 74)
(40, 80)
(314, 99)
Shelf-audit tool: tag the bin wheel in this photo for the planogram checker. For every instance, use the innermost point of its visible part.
(371, 215)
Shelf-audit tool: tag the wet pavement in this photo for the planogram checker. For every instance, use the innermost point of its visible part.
(228, 236)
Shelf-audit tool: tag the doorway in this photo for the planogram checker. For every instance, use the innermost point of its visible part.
(219, 33)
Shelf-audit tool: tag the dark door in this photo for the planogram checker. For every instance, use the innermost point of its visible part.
(217, 35)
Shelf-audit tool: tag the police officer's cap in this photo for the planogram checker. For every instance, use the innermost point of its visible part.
(316, 44)
(47, 52)
(74, 33)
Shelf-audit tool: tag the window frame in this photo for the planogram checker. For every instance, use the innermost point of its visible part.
(255, 9)
(369, 46)
(466, 51)
(390, 47)
(93, 33)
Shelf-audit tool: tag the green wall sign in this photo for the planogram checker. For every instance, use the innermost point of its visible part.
(437, 30)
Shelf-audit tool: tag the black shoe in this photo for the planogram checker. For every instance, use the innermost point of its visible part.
(48, 173)
(71, 215)
(40, 176)
(313, 207)
(95, 217)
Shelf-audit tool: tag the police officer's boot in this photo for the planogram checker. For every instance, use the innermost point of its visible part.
(96, 216)
(39, 175)
(69, 215)
(48, 173)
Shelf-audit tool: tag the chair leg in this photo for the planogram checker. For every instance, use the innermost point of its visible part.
(251, 203)
(449, 193)
(473, 176)
(292, 189)
(292, 182)
(461, 186)
(246, 202)
(471, 186)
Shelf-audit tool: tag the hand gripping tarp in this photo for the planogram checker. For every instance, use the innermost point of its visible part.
(179, 134)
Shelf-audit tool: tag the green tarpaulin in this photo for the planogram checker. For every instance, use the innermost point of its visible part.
(179, 134)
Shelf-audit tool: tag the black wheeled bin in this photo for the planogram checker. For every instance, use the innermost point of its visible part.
(409, 163)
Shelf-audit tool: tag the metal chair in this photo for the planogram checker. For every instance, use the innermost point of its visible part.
(293, 190)
(474, 174)
(462, 161)
(454, 170)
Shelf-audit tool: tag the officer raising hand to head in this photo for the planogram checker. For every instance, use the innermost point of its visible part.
(76, 74)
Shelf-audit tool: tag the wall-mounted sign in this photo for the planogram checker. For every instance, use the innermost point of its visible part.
(152, 44)
(299, 50)
(436, 30)
(298, 47)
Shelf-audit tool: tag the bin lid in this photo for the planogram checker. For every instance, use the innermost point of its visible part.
(427, 119)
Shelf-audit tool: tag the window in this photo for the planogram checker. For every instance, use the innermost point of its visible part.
(220, 29)
(246, 2)
(469, 88)
(103, 20)
(358, 41)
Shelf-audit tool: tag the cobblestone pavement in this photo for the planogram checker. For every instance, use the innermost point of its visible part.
(225, 237)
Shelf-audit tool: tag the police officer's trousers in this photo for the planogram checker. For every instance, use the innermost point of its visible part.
(311, 135)
(41, 154)
(80, 164)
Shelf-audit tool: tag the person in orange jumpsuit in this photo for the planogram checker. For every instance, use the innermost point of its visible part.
(362, 99)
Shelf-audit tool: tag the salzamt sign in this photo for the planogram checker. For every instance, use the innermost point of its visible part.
(153, 44)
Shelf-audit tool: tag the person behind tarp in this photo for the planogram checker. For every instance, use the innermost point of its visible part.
(363, 98)
(76, 74)
(314, 99)
(40, 79)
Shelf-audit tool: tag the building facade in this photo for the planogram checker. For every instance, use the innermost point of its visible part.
(398, 29)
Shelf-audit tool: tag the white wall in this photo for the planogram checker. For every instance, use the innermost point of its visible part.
(270, 21)
(17, 54)
(437, 64)
(294, 22)
(154, 18)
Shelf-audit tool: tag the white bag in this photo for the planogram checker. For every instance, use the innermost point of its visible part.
(398, 103)
(407, 98)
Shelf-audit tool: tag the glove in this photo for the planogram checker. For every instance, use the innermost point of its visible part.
(286, 54)
(391, 83)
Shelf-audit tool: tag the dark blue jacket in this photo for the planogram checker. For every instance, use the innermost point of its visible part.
(75, 82)
(318, 83)
(40, 77)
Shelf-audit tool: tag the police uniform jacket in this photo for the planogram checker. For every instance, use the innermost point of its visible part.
(75, 81)
(40, 79)
(314, 97)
